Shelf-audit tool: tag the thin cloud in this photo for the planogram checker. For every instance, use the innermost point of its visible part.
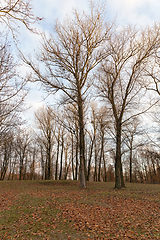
(139, 12)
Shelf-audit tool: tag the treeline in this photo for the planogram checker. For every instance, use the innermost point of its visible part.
(104, 78)
(51, 152)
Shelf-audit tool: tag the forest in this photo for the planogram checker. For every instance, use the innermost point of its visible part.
(105, 80)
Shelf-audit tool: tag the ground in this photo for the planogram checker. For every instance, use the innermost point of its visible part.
(61, 210)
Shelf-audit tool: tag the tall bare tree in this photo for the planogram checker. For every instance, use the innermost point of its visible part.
(122, 77)
(69, 57)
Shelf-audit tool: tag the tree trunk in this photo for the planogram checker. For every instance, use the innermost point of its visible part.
(105, 172)
(33, 166)
(81, 143)
(65, 167)
(21, 165)
(100, 158)
(122, 178)
(42, 163)
(76, 170)
(60, 173)
(72, 157)
(49, 158)
(89, 161)
(118, 157)
(46, 169)
(5, 163)
(56, 172)
(130, 164)
(95, 160)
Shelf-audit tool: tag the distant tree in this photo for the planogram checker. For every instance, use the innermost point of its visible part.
(92, 136)
(46, 125)
(130, 131)
(71, 125)
(6, 150)
(104, 122)
(148, 167)
(98, 125)
(57, 137)
(62, 153)
(22, 148)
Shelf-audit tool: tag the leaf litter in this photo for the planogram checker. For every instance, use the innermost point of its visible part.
(63, 211)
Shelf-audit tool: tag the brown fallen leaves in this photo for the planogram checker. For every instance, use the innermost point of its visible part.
(60, 210)
(121, 219)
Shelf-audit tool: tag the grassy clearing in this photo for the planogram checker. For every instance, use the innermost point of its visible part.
(60, 210)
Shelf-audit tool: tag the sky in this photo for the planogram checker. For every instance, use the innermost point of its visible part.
(134, 12)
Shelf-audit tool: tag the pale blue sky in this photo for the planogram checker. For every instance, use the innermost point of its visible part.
(139, 12)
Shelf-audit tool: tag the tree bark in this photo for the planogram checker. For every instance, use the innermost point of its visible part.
(60, 173)
(56, 171)
(104, 163)
(76, 170)
(81, 142)
(100, 158)
(49, 157)
(130, 165)
(95, 162)
(72, 157)
(89, 161)
(118, 157)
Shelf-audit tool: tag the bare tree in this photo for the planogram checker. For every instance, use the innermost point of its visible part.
(14, 12)
(92, 137)
(68, 58)
(57, 136)
(122, 76)
(46, 125)
(62, 152)
(130, 131)
(6, 150)
(12, 91)
(22, 144)
(149, 165)
(98, 125)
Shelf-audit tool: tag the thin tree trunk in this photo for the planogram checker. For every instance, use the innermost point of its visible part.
(42, 163)
(65, 168)
(95, 158)
(130, 164)
(60, 173)
(76, 170)
(90, 157)
(21, 167)
(49, 158)
(56, 172)
(33, 165)
(46, 169)
(100, 158)
(104, 163)
(72, 157)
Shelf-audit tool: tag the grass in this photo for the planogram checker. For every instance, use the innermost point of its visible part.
(60, 210)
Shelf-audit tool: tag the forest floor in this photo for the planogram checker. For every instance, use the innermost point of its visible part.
(60, 210)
